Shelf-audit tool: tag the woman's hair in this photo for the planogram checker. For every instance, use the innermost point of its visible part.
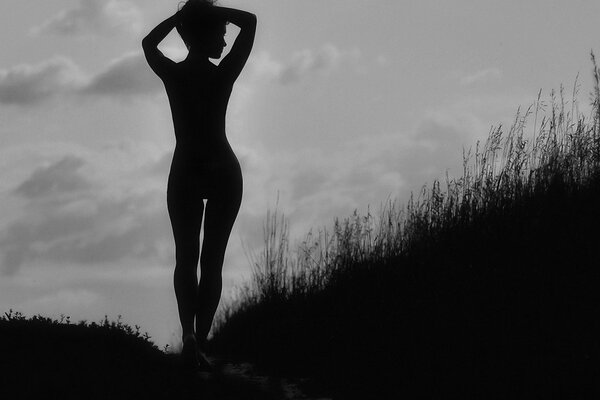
(194, 21)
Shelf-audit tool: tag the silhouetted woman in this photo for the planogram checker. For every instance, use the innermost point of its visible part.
(204, 165)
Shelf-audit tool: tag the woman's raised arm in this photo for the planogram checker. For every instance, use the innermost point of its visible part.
(160, 64)
(234, 62)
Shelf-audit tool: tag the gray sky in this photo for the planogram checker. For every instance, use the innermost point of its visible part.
(343, 104)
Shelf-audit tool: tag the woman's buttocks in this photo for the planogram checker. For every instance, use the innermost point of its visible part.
(213, 171)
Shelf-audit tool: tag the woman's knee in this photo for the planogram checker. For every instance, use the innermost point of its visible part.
(211, 262)
(186, 255)
(211, 279)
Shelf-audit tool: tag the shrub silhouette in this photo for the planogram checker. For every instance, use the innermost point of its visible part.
(46, 358)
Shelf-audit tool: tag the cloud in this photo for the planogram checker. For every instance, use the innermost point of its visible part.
(28, 84)
(91, 231)
(485, 75)
(128, 75)
(94, 17)
(58, 178)
(308, 62)
(302, 64)
(263, 65)
(71, 218)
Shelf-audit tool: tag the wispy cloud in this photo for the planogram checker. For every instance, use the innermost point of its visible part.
(485, 75)
(94, 17)
(320, 61)
(303, 64)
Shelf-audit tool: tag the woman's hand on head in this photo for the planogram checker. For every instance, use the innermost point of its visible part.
(202, 6)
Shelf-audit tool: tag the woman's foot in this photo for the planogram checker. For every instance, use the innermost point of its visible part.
(203, 362)
(205, 365)
(202, 343)
(189, 353)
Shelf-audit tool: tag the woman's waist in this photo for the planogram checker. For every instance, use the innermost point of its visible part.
(204, 159)
(203, 145)
(203, 129)
(201, 141)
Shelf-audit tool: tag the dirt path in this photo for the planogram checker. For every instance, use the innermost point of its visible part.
(243, 381)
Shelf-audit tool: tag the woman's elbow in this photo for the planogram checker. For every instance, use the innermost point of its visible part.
(251, 19)
(147, 43)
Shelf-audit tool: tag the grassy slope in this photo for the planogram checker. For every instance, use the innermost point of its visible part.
(489, 289)
(508, 305)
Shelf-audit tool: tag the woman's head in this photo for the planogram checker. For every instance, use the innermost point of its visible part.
(199, 28)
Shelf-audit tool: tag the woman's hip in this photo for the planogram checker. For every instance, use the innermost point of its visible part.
(205, 181)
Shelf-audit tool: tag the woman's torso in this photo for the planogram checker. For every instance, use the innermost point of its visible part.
(203, 161)
(198, 98)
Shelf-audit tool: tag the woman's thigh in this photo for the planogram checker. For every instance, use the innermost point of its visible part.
(222, 208)
(186, 209)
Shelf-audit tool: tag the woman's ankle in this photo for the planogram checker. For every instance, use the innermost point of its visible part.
(202, 342)
(187, 337)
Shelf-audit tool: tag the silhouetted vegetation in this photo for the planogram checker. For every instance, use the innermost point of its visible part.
(484, 286)
(56, 359)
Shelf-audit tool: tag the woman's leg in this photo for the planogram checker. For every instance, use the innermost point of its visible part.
(185, 211)
(221, 212)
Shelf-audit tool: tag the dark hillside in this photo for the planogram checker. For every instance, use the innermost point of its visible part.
(485, 289)
(505, 306)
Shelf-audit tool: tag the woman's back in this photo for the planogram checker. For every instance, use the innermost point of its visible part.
(198, 97)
